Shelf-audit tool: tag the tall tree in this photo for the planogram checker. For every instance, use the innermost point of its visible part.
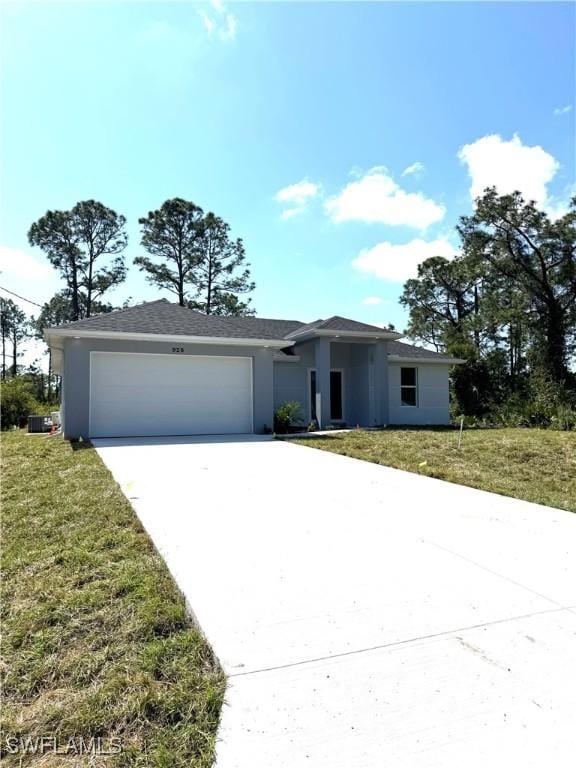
(5, 328)
(172, 234)
(58, 311)
(195, 258)
(221, 274)
(74, 241)
(231, 305)
(14, 328)
(522, 245)
(443, 304)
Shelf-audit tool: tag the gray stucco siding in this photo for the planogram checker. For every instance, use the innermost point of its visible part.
(433, 395)
(291, 385)
(365, 380)
(76, 376)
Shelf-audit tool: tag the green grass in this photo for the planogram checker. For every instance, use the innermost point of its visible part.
(533, 464)
(97, 641)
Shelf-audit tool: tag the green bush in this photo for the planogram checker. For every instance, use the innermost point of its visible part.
(18, 402)
(544, 404)
(564, 419)
(285, 416)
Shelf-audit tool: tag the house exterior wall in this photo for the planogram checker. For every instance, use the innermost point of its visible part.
(371, 383)
(433, 395)
(76, 376)
(365, 380)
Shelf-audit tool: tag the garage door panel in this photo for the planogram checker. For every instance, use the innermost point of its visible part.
(126, 394)
(148, 395)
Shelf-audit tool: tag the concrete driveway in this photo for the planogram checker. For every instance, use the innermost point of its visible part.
(366, 617)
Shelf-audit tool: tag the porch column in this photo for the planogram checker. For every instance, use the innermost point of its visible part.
(263, 390)
(322, 359)
(381, 397)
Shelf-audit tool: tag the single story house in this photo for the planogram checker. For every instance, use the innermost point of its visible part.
(161, 369)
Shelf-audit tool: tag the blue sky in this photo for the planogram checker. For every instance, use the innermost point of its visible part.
(340, 140)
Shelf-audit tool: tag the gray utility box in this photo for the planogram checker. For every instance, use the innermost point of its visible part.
(39, 424)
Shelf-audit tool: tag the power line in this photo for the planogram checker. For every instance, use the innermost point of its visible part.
(20, 297)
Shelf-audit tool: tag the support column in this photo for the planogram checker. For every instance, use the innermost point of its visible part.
(263, 385)
(322, 355)
(381, 396)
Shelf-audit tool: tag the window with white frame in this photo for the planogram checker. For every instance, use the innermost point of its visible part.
(409, 386)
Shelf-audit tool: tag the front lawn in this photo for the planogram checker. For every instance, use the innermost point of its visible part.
(533, 464)
(97, 642)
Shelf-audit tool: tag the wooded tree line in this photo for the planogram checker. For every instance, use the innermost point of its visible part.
(189, 253)
(506, 304)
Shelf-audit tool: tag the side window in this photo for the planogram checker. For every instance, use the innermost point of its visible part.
(409, 386)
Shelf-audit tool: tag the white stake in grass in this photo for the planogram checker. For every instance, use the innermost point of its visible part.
(461, 428)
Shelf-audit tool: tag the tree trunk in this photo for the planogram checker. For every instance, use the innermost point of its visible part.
(14, 353)
(511, 357)
(476, 313)
(89, 290)
(209, 285)
(75, 301)
(555, 351)
(3, 354)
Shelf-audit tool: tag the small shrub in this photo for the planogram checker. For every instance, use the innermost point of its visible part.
(564, 419)
(286, 415)
(18, 402)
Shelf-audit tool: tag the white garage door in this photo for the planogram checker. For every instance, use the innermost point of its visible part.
(143, 395)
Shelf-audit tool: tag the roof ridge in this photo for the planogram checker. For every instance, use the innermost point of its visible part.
(119, 311)
(258, 317)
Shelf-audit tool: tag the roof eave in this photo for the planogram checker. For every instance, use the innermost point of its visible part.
(426, 360)
(383, 335)
(51, 334)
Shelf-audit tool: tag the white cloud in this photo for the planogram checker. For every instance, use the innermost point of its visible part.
(372, 301)
(398, 263)
(229, 33)
(414, 168)
(289, 213)
(509, 166)
(218, 21)
(15, 263)
(209, 25)
(376, 197)
(297, 196)
(558, 206)
(297, 193)
(563, 110)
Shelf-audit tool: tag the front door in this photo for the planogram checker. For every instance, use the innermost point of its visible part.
(336, 396)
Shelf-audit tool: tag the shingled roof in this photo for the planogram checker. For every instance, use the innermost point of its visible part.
(164, 318)
(403, 350)
(337, 323)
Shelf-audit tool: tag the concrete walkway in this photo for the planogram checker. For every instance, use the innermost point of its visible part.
(366, 617)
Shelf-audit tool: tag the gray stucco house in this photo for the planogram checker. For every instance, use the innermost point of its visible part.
(161, 369)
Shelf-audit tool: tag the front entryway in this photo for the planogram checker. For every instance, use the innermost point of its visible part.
(336, 395)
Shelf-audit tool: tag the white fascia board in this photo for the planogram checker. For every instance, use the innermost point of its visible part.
(227, 341)
(374, 335)
(426, 360)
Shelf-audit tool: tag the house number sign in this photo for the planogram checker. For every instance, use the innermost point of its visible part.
(178, 350)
